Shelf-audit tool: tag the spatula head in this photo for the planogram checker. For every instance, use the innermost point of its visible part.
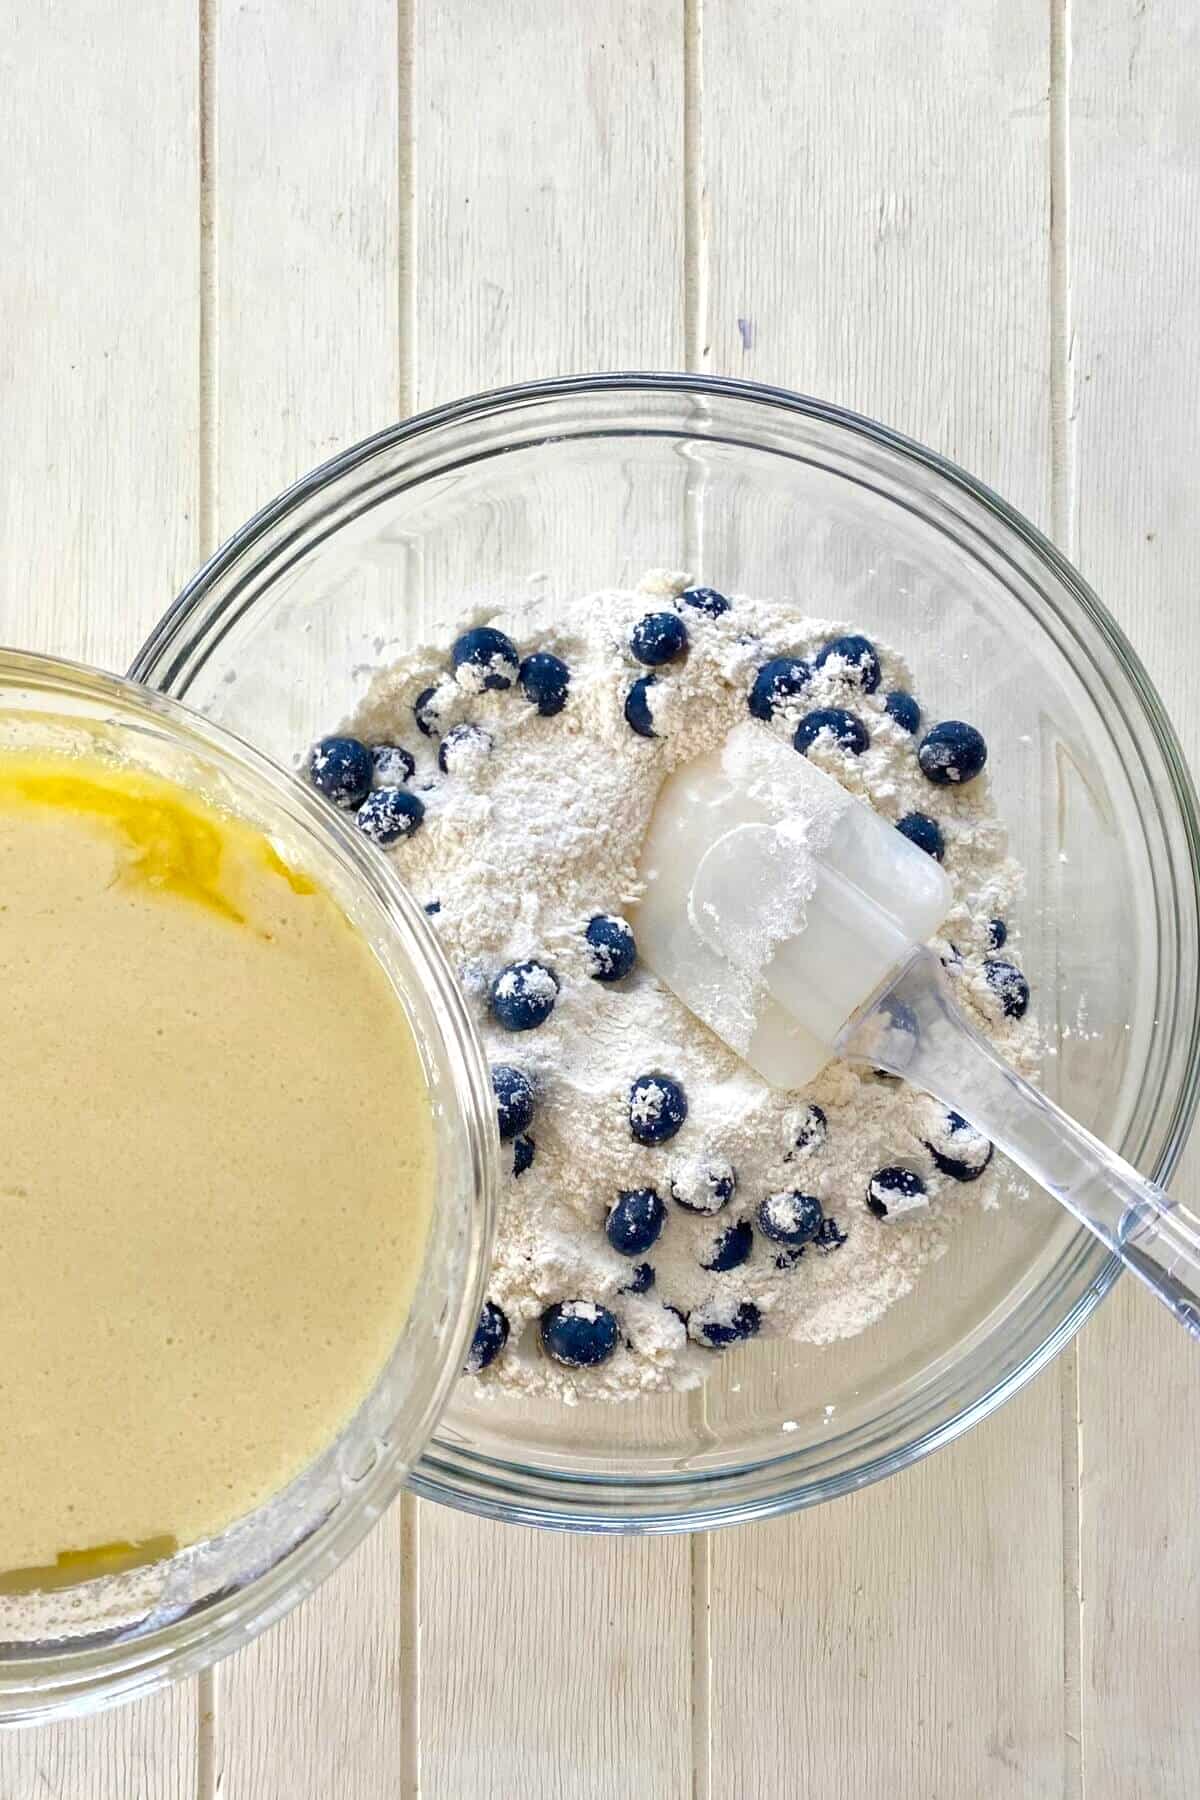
(775, 902)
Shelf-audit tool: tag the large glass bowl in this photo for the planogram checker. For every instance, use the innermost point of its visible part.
(108, 1639)
(530, 495)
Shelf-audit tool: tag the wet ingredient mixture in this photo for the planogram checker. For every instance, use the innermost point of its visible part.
(662, 1203)
(198, 1292)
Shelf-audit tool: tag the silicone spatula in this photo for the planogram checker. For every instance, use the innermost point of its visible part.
(791, 919)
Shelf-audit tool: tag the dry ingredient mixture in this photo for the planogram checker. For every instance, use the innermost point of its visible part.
(662, 1202)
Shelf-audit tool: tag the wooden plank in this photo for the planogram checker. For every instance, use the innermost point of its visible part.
(877, 199)
(99, 316)
(303, 195)
(552, 1664)
(1135, 194)
(549, 155)
(550, 236)
(146, 1749)
(307, 209)
(893, 255)
(316, 1706)
(98, 466)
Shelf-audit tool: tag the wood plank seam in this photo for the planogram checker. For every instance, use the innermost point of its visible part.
(209, 311)
(1062, 525)
(208, 1685)
(697, 344)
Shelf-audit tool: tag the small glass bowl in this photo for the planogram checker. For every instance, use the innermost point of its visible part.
(521, 498)
(86, 1646)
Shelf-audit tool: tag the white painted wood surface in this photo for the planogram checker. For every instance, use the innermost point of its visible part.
(237, 239)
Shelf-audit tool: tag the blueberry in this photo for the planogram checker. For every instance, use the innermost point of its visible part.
(812, 1130)
(641, 1281)
(1009, 986)
(897, 1030)
(703, 1185)
(389, 814)
(578, 1333)
(777, 681)
(716, 1325)
(544, 682)
(634, 1221)
(957, 1148)
(705, 600)
(464, 748)
(658, 638)
(895, 1190)
(393, 765)
(860, 657)
(523, 996)
(613, 947)
(925, 833)
(484, 658)
(340, 768)
(730, 1248)
(523, 1149)
(789, 1218)
(432, 907)
(904, 709)
(514, 1099)
(997, 933)
(657, 1108)
(427, 722)
(830, 1236)
(848, 732)
(952, 753)
(638, 716)
(491, 1335)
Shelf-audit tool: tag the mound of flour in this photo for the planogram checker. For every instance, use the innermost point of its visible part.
(522, 846)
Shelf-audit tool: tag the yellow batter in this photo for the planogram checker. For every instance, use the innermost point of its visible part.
(216, 1164)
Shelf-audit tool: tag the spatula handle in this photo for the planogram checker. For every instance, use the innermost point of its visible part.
(914, 1029)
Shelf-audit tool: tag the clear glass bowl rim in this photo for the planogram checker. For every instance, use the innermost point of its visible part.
(514, 1491)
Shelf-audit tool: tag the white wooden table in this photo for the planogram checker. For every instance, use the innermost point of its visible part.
(240, 233)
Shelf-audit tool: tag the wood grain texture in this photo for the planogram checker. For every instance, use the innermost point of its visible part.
(878, 203)
(549, 160)
(884, 243)
(99, 320)
(552, 1664)
(549, 235)
(1135, 266)
(316, 1705)
(307, 229)
(98, 358)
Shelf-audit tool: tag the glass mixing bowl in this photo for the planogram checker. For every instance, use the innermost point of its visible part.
(518, 498)
(83, 1646)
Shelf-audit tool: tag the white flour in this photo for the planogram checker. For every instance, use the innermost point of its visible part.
(523, 844)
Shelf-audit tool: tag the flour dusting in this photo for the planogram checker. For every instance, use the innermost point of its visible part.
(532, 829)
